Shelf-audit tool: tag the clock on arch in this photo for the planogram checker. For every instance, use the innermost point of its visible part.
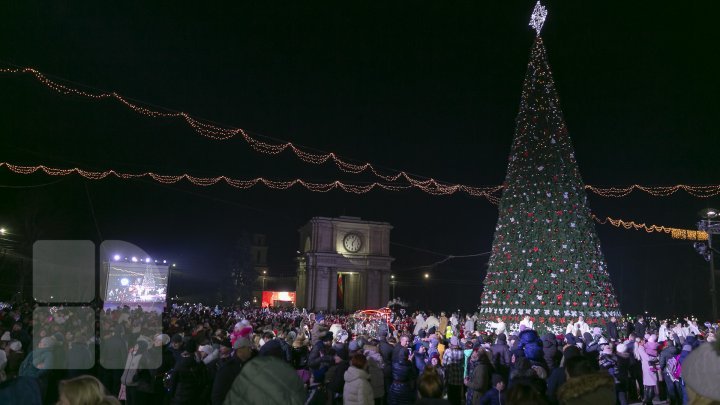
(352, 242)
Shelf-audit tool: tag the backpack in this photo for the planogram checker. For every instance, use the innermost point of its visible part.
(674, 368)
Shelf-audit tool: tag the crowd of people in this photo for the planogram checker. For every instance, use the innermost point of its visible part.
(194, 354)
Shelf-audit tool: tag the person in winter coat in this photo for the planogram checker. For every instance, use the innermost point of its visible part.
(129, 377)
(430, 388)
(622, 372)
(375, 369)
(496, 394)
(612, 329)
(227, 374)
(189, 378)
(478, 381)
(79, 357)
(558, 376)
(402, 389)
(608, 362)
(320, 359)
(443, 323)
(674, 386)
(640, 327)
(649, 377)
(500, 355)
(550, 351)
(469, 326)
(357, 389)
(585, 385)
(266, 380)
(420, 359)
(531, 346)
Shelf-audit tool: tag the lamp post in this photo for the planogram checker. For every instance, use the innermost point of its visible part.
(711, 227)
(392, 284)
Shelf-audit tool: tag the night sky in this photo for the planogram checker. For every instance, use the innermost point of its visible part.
(432, 88)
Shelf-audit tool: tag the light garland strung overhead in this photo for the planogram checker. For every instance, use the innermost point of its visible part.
(429, 188)
(675, 233)
(223, 133)
(487, 193)
(435, 187)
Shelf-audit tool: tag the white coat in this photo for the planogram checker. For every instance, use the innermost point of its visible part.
(358, 390)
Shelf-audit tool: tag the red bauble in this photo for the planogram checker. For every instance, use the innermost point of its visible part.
(534, 281)
(542, 302)
(535, 249)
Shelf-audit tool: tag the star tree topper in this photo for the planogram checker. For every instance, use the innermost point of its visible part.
(537, 19)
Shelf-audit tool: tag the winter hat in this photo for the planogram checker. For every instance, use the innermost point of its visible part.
(177, 338)
(165, 339)
(454, 342)
(15, 346)
(597, 331)
(422, 334)
(687, 348)
(242, 342)
(245, 331)
(571, 352)
(5, 337)
(502, 338)
(328, 336)
(342, 336)
(701, 371)
(570, 339)
(272, 348)
(621, 348)
(353, 346)
(207, 349)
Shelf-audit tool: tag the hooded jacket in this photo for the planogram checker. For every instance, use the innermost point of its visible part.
(531, 345)
(266, 380)
(402, 390)
(590, 389)
(550, 351)
(377, 375)
(357, 390)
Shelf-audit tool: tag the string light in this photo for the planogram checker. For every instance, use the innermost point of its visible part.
(430, 188)
(675, 233)
(223, 133)
(704, 191)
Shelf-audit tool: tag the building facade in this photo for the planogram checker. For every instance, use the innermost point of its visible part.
(344, 264)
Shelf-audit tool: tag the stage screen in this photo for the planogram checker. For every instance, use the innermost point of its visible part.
(129, 283)
(278, 298)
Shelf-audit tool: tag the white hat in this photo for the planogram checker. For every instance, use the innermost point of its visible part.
(621, 348)
(6, 337)
(207, 349)
(15, 346)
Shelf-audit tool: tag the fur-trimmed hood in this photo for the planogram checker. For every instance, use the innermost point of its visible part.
(596, 388)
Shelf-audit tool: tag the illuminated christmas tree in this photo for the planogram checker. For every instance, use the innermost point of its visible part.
(546, 259)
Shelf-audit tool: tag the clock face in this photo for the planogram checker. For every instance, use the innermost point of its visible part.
(352, 242)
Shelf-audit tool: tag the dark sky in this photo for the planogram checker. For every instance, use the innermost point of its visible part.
(432, 88)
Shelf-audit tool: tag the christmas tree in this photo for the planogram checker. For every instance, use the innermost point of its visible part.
(546, 260)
